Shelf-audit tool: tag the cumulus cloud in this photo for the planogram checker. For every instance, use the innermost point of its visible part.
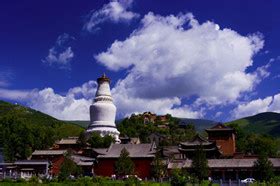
(115, 11)
(176, 56)
(127, 105)
(61, 54)
(14, 94)
(74, 105)
(168, 59)
(268, 104)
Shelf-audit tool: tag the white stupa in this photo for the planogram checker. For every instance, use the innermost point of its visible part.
(103, 111)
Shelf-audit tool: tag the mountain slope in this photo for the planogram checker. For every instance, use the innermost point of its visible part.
(33, 117)
(85, 123)
(23, 130)
(200, 124)
(82, 123)
(263, 123)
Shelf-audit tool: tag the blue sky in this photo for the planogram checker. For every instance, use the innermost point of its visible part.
(217, 60)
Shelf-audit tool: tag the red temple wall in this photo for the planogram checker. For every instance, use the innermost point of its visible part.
(105, 167)
(56, 164)
(227, 143)
(55, 160)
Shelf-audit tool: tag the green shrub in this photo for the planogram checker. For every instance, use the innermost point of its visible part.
(20, 180)
(85, 181)
(7, 180)
(35, 179)
(100, 179)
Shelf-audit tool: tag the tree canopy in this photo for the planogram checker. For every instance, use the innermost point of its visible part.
(96, 141)
(124, 165)
(200, 164)
(264, 168)
(136, 127)
(68, 167)
(251, 143)
(22, 130)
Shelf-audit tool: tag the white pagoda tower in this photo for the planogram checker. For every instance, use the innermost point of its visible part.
(103, 111)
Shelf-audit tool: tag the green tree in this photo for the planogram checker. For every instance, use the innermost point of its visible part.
(264, 168)
(16, 138)
(159, 169)
(124, 165)
(68, 167)
(179, 177)
(107, 141)
(200, 164)
(82, 141)
(95, 140)
(240, 137)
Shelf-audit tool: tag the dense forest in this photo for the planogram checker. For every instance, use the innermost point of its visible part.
(23, 130)
(135, 127)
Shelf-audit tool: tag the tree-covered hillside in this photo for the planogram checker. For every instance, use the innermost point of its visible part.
(172, 135)
(23, 130)
(263, 123)
(82, 123)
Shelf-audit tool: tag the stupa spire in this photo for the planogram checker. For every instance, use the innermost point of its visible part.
(103, 110)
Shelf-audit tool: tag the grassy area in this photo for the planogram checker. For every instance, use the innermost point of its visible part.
(88, 181)
(109, 183)
(112, 183)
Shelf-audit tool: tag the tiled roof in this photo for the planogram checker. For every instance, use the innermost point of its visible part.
(100, 150)
(197, 140)
(223, 163)
(82, 160)
(67, 141)
(135, 150)
(170, 150)
(31, 162)
(48, 152)
(219, 127)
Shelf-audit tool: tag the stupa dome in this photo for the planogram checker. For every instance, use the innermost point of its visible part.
(103, 110)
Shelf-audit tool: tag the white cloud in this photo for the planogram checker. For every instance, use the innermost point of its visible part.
(115, 11)
(72, 106)
(175, 56)
(126, 105)
(61, 53)
(14, 94)
(275, 105)
(167, 59)
(218, 114)
(268, 104)
(75, 104)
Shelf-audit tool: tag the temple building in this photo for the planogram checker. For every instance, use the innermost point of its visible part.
(219, 144)
(142, 156)
(103, 111)
(224, 137)
(188, 148)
